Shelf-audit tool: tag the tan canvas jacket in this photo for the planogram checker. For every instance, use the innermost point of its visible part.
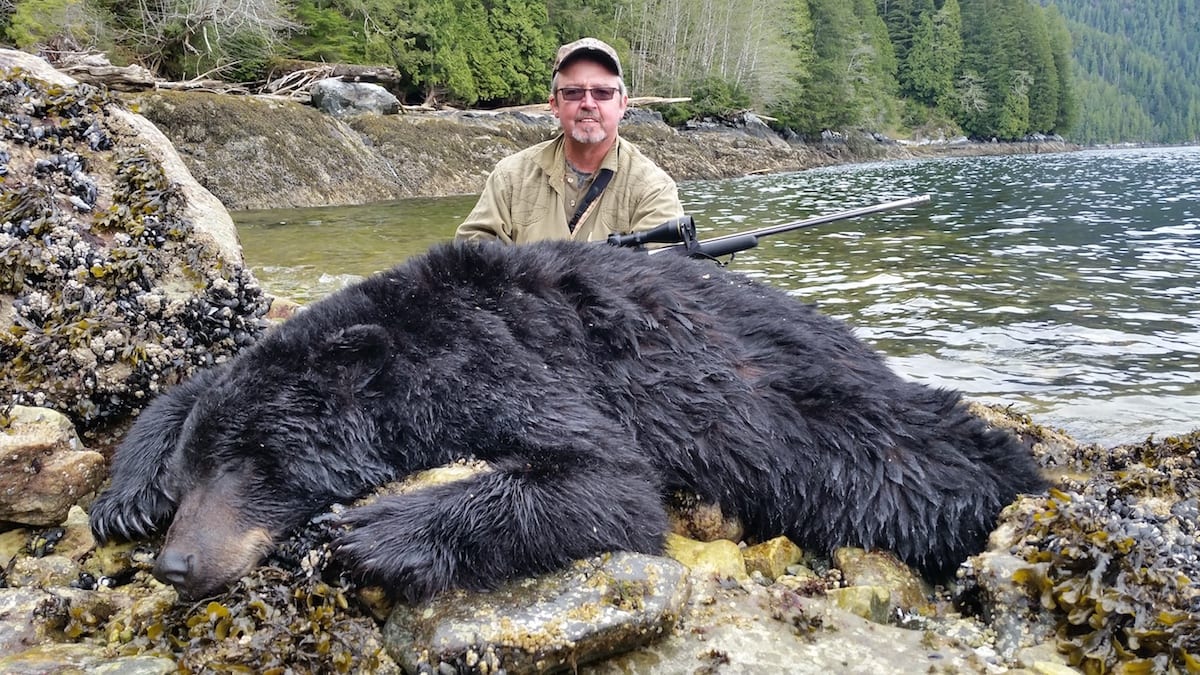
(522, 200)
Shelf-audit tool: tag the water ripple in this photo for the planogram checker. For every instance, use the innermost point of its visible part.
(1069, 283)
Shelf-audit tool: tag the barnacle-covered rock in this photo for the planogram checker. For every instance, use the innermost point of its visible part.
(1110, 561)
(605, 605)
(119, 274)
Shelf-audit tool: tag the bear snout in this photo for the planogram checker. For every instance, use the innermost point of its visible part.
(210, 544)
(203, 560)
(174, 567)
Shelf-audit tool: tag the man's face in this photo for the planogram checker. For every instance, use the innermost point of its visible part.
(588, 120)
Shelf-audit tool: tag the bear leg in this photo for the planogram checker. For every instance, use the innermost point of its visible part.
(522, 517)
(143, 495)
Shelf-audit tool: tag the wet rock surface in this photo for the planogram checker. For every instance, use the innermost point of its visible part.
(605, 605)
(336, 97)
(44, 468)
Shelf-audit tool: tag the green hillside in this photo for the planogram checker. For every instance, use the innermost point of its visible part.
(1138, 69)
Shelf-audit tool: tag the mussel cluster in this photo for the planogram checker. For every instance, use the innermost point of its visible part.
(105, 298)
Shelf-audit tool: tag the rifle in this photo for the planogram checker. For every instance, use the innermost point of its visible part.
(680, 233)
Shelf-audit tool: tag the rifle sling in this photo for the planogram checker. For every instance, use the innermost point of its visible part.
(593, 192)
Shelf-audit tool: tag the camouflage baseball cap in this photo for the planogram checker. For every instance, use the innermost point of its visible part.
(590, 48)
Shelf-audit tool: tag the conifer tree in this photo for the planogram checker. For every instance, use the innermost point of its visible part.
(1043, 70)
(830, 96)
(795, 74)
(523, 49)
(873, 68)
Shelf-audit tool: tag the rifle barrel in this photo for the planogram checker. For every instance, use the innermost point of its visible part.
(807, 222)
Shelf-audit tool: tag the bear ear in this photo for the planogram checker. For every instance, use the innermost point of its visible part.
(356, 353)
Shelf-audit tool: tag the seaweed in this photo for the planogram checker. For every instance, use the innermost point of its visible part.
(1116, 559)
(298, 612)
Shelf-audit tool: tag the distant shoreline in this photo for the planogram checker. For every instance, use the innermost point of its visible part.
(261, 153)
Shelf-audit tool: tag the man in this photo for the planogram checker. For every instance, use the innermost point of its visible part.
(585, 183)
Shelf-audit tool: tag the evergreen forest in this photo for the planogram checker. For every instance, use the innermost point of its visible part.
(1090, 70)
(1138, 69)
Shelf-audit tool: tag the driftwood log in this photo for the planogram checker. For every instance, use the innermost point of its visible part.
(96, 69)
(388, 78)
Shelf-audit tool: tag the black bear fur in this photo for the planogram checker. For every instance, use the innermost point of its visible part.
(595, 382)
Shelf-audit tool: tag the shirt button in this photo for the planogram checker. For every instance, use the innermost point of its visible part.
(572, 202)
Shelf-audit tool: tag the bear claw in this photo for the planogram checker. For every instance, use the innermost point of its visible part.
(117, 518)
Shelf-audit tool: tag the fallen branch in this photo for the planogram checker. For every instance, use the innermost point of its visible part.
(94, 68)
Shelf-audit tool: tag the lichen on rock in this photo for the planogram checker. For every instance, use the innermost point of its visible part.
(119, 276)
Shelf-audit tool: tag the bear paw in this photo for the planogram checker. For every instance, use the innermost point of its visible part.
(119, 516)
(378, 552)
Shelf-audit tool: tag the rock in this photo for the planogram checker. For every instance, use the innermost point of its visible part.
(720, 558)
(77, 540)
(33, 616)
(693, 518)
(117, 559)
(212, 225)
(339, 98)
(122, 274)
(440, 475)
(1052, 668)
(641, 116)
(906, 591)
(13, 543)
(283, 309)
(1043, 657)
(756, 629)
(598, 607)
(802, 580)
(21, 625)
(772, 558)
(873, 603)
(255, 152)
(754, 126)
(1012, 612)
(76, 658)
(44, 468)
(1053, 448)
(44, 572)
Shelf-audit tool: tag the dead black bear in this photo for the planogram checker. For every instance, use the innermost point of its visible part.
(594, 381)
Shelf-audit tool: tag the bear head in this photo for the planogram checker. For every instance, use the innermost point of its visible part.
(247, 452)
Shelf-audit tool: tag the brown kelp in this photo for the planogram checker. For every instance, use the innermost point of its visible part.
(1115, 557)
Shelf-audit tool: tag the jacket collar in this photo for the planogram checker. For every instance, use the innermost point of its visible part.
(553, 160)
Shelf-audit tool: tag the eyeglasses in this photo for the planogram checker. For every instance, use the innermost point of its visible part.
(598, 93)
